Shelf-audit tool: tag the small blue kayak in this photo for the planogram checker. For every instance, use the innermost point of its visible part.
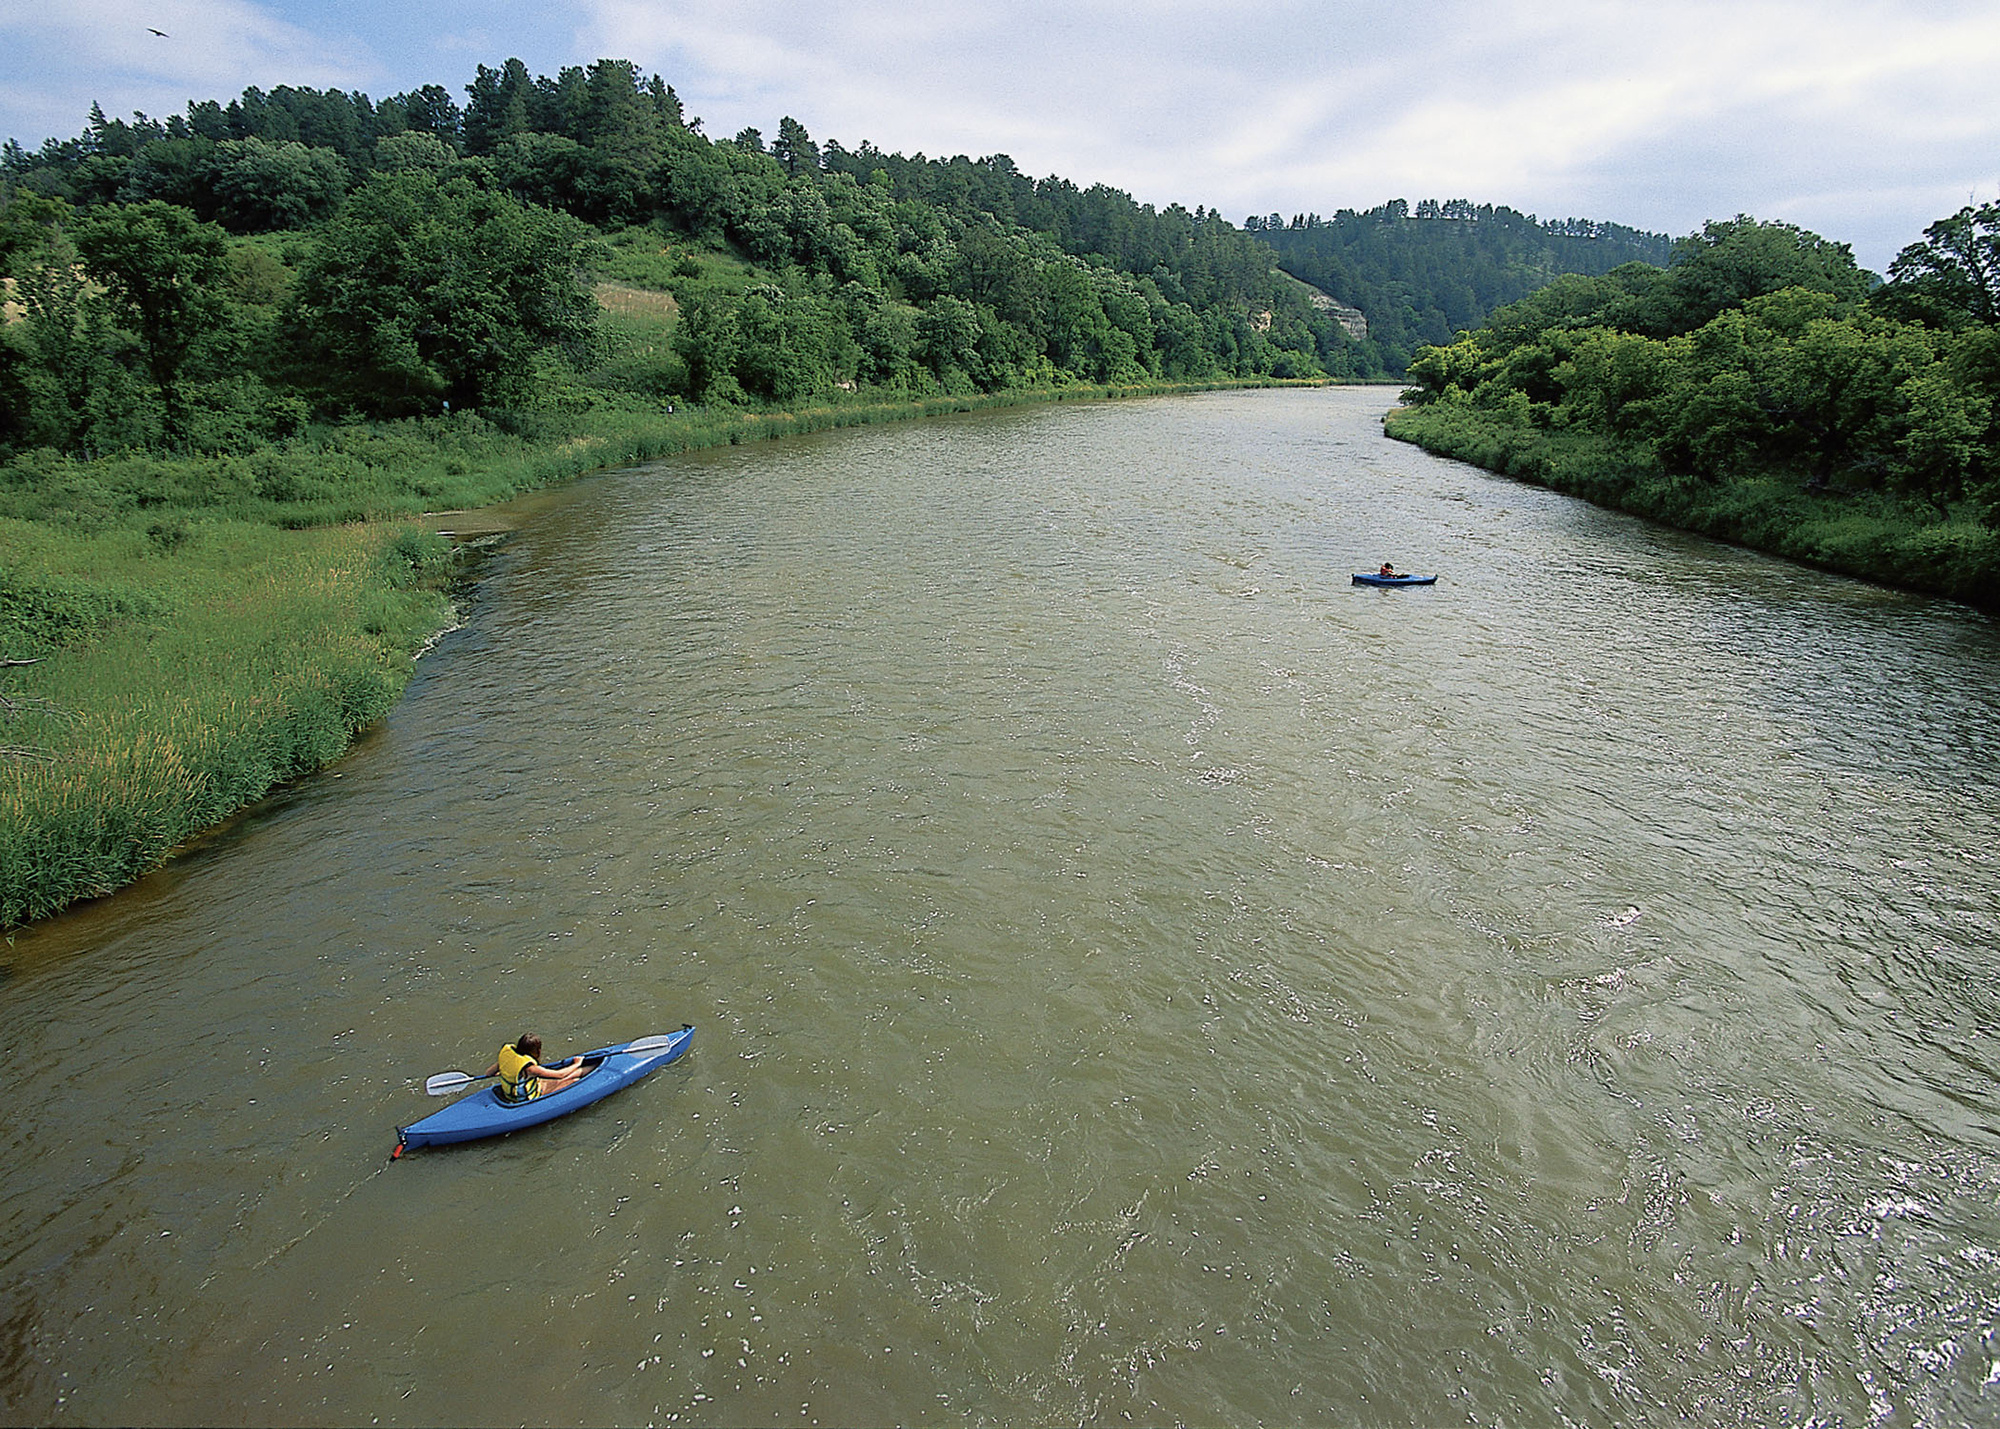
(611, 1069)
(1370, 578)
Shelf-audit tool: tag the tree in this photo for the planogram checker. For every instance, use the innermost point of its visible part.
(496, 106)
(1734, 260)
(709, 340)
(429, 110)
(261, 186)
(413, 149)
(176, 171)
(424, 289)
(1953, 276)
(947, 337)
(57, 344)
(794, 147)
(887, 332)
(789, 344)
(163, 272)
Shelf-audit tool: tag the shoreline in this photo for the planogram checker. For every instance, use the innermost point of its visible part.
(1899, 546)
(118, 764)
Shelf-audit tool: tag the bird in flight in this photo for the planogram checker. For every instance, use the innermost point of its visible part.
(161, 33)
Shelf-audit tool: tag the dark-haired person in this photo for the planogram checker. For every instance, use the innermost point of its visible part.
(522, 1075)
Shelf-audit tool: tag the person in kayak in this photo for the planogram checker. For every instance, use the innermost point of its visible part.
(522, 1075)
(1388, 572)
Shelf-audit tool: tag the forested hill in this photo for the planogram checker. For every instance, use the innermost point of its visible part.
(1764, 389)
(1420, 274)
(329, 253)
(313, 279)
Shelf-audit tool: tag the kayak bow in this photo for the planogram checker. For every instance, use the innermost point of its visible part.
(484, 1113)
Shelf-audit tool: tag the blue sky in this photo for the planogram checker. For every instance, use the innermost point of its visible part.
(1863, 120)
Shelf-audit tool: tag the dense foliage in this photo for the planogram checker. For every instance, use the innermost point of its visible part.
(213, 281)
(1422, 272)
(1761, 358)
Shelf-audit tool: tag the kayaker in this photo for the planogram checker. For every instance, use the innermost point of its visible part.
(1388, 572)
(522, 1075)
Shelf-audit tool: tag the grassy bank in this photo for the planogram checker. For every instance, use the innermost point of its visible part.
(1911, 545)
(177, 678)
(203, 629)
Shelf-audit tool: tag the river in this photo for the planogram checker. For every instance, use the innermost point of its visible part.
(1139, 976)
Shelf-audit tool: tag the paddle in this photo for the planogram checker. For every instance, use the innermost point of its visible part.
(445, 1083)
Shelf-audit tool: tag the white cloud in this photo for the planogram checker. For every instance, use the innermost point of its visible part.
(1674, 112)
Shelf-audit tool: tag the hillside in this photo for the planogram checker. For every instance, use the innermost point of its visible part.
(1420, 274)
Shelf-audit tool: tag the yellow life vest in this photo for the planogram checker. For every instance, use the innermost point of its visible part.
(514, 1086)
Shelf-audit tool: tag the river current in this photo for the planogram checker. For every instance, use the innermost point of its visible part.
(1139, 976)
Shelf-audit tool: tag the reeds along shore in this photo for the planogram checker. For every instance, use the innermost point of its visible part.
(195, 631)
(171, 688)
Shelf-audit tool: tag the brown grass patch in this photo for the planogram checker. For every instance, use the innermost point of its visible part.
(630, 302)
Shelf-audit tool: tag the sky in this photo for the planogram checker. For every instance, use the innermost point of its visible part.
(1862, 120)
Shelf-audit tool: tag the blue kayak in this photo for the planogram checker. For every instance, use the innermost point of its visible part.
(612, 1069)
(1371, 578)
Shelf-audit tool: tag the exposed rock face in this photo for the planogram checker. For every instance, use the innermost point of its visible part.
(1351, 319)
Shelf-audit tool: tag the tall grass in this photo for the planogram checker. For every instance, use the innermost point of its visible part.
(1907, 544)
(242, 657)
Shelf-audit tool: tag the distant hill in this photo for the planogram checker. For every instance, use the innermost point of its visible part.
(1420, 274)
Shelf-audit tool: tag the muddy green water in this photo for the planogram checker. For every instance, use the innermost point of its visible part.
(1140, 976)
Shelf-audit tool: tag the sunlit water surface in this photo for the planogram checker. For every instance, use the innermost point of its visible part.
(1140, 976)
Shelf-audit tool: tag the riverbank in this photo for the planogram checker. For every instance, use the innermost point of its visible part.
(170, 687)
(197, 631)
(1905, 544)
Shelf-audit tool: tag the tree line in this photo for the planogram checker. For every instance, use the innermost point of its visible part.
(1424, 272)
(219, 278)
(1762, 357)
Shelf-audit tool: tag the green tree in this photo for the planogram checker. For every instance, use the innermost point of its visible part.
(794, 148)
(1734, 260)
(424, 289)
(709, 339)
(791, 344)
(413, 149)
(947, 338)
(163, 273)
(1953, 276)
(261, 186)
(428, 110)
(794, 225)
(887, 333)
(56, 348)
(497, 106)
(176, 171)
